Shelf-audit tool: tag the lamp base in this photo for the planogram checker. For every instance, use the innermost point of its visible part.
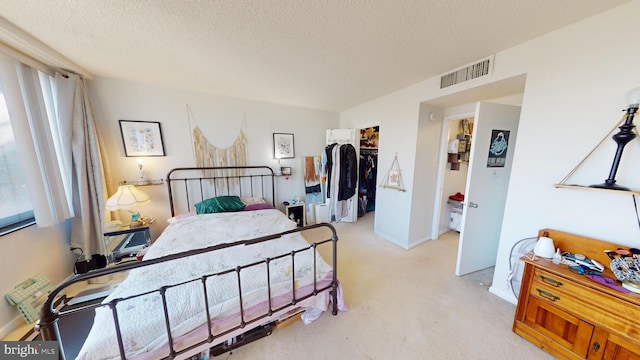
(135, 216)
(610, 186)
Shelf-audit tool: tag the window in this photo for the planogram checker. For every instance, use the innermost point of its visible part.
(40, 191)
(15, 206)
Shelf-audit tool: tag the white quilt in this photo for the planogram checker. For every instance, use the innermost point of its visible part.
(141, 319)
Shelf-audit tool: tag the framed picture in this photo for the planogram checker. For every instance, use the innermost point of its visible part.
(141, 138)
(285, 170)
(394, 178)
(283, 146)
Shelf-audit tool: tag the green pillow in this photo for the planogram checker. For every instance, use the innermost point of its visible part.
(207, 206)
(219, 204)
(229, 203)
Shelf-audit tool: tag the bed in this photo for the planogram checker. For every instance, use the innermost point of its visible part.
(212, 276)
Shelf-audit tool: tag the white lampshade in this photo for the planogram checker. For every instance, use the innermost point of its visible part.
(126, 197)
(633, 97)
(544, 247)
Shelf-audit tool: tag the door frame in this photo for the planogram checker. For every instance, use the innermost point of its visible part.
(493, 90)
(441, 169)
(357, 129)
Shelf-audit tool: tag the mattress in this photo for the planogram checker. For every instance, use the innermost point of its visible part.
(141, 318)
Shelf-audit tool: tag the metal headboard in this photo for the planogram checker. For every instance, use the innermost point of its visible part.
(190, 185)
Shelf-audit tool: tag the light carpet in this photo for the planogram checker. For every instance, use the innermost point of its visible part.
(402, 305)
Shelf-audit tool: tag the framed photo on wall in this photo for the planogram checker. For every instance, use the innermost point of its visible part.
(141, 138)
(283, 146)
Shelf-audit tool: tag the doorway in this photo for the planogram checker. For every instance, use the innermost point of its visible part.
(482, 206)
(459, 105)
(368, 169)
(456, 135)
(365, 140)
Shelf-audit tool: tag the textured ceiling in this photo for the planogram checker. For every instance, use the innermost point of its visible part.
(328, 54)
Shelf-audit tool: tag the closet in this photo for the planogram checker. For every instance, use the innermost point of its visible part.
(363, 145)
(368, 170)
(455, 178)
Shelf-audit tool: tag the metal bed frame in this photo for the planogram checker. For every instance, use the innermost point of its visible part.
(48, 324)
(251, 181)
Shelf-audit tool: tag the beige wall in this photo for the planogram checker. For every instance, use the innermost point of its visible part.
(219, 117)
(27, 253)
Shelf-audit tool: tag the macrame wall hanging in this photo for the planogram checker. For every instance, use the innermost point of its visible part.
(208, 155)
(393, 178)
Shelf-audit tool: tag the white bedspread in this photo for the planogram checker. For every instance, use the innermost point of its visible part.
(141, 319)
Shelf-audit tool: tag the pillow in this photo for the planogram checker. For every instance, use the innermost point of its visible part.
(229, 203)
(253, 200)
(219, 204)
(207, 206)
(258, 207)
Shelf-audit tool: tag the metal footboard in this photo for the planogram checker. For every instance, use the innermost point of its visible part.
(49, 326)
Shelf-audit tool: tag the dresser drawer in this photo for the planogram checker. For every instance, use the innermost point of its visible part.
(587, 303)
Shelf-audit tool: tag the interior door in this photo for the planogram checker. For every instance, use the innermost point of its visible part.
(492, 144)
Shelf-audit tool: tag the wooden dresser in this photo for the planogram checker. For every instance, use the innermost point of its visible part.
(572, 317)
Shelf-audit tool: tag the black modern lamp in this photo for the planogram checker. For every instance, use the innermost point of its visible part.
(622, 137)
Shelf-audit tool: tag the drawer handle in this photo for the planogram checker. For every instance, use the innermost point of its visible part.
(547, 295)
(550, 281)
(596, 346)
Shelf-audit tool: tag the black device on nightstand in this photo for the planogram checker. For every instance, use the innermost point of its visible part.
(127, 241)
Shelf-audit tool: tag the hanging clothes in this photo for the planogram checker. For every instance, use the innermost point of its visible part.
(312, 177)
(340, 167)
(367, 180)
(327, 165)
(348, 172)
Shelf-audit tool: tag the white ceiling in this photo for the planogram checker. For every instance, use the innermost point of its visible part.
(321, 54)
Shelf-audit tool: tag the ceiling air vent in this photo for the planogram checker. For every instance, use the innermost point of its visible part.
(473, 71)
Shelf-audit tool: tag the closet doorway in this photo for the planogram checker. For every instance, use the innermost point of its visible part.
(456, 135)
(366, 142)
(494, 128)
(368, 169)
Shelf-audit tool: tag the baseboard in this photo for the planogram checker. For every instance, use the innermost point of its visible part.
(444, 231)
(12, 326)
(504, 295)
(389, 239)
(419, 242)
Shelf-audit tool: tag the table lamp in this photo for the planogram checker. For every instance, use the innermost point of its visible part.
(622, 137)
(127, 197)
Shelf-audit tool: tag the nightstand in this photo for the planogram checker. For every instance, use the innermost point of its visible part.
(127, 241)
(296, 212)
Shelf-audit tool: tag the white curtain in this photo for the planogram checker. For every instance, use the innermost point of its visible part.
(36, 145)
(89, 169)
(59, 149)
